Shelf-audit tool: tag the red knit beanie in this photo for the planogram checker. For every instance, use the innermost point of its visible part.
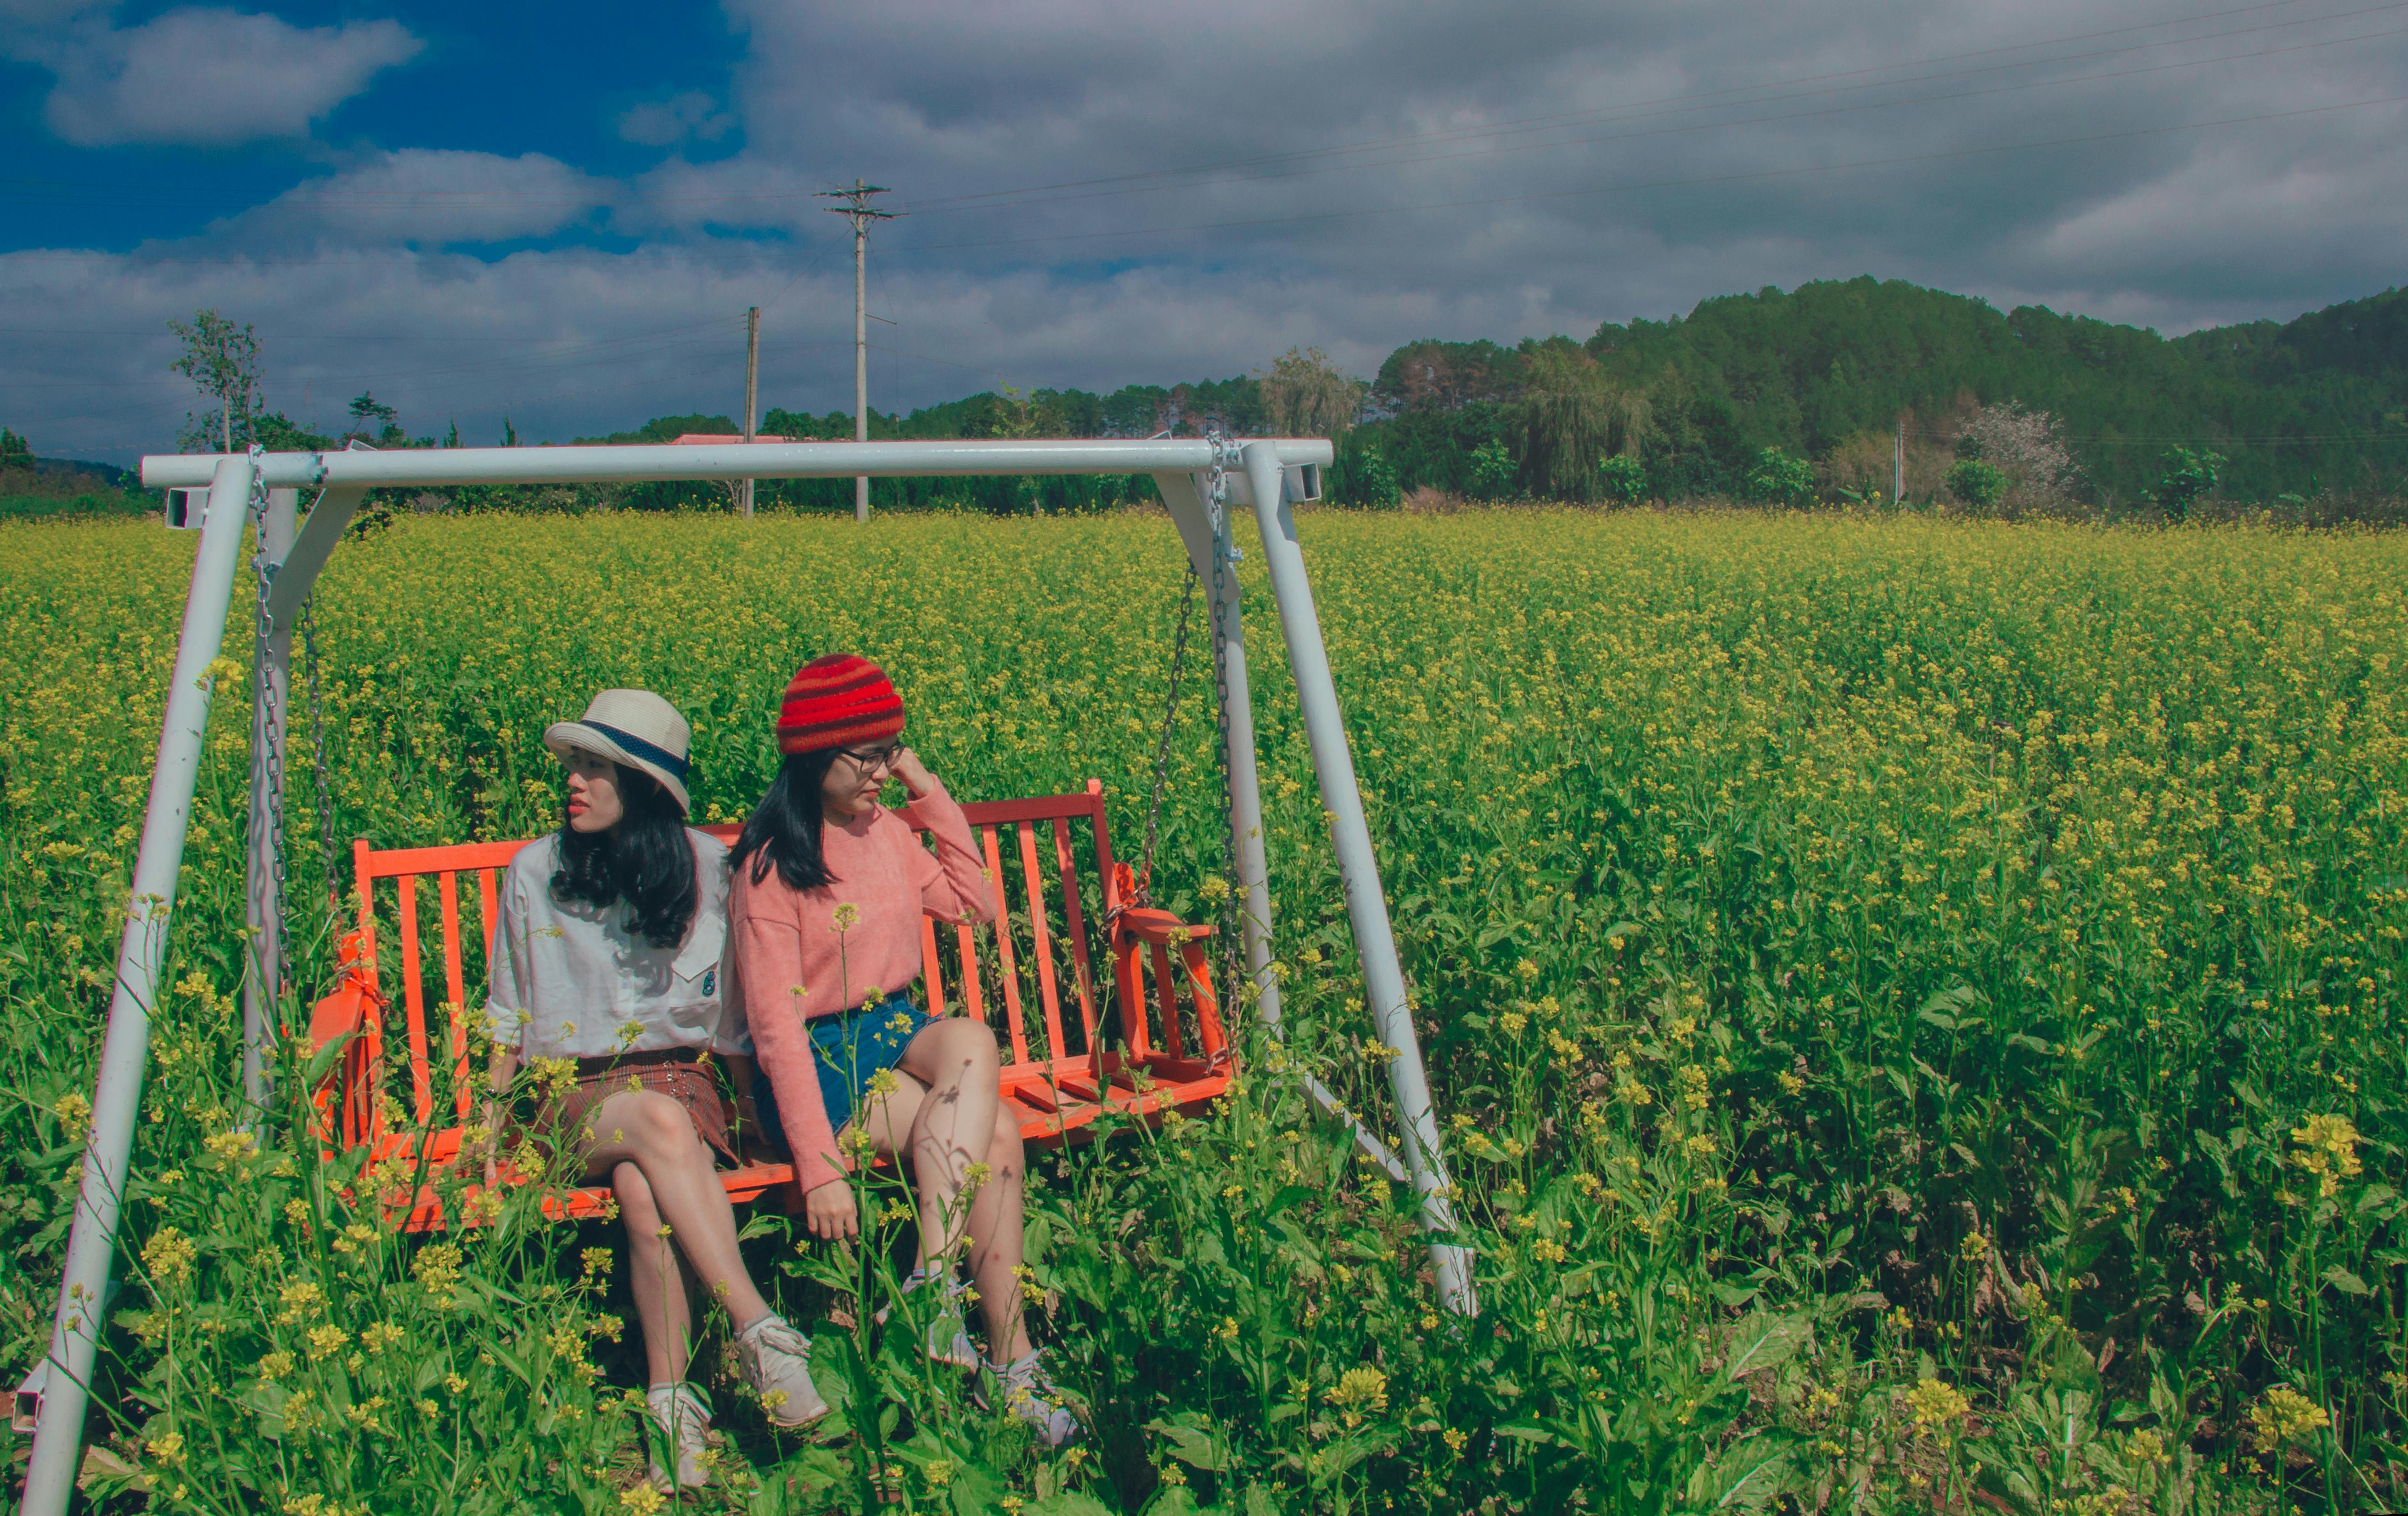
(834, 702)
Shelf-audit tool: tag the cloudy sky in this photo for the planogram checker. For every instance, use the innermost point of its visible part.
(559, 214)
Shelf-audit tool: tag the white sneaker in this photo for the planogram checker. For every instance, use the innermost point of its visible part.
(949, 1336)
(776, 1360)
(677, 1411)
(1029, 1395)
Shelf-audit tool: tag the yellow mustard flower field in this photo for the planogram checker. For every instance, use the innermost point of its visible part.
(1915, 1008)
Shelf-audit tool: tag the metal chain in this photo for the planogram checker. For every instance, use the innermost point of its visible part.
(271, 717)
(1217, 507)
(1144, 892)
(308, 621)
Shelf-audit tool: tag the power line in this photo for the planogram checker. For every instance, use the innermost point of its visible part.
(502, 365)
(163, 336)
(2268, 440)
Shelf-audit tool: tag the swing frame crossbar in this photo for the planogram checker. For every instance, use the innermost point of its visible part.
(1199, 480)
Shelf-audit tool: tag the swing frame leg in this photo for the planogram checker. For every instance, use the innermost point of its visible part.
(1358, 866)
(1333, 763)
(263, 898)
(141, 956)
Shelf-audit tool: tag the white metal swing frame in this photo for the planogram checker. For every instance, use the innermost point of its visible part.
(1282, 473)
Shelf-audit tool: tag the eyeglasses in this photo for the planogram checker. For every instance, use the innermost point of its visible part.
(875, 758)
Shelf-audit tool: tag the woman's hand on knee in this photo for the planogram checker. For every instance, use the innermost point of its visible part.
(830, 1212)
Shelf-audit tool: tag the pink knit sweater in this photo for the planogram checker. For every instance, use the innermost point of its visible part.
(787, 961)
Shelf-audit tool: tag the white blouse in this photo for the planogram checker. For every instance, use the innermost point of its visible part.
(568, 981)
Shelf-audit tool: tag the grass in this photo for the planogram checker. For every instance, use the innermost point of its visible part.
(1915, 1007)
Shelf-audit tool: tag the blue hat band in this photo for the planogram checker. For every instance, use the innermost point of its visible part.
(635, 747)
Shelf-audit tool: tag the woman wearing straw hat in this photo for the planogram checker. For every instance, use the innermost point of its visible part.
(606, 951)
(824, 917)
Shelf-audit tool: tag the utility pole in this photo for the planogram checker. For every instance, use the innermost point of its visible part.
(856, 205)
(1898, 463)
(752, 394)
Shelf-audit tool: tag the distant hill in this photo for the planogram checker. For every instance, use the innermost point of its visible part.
(2320, 404)
(2316, 403)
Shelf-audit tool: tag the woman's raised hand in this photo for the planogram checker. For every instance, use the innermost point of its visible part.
(914, 773)
(829, 1210)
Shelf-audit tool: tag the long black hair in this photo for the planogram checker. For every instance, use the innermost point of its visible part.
(783, 830)
(645, 860)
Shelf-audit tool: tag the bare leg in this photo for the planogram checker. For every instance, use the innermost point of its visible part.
(657, 1279)
(995, 1250)
(653, 1133)
(955, 1059)
(889, 1120)
(900, 1125)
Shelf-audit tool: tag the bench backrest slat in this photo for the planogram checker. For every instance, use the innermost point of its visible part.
(1003, 953)
(1075, 921)
(1047, 992)
(421, 1084)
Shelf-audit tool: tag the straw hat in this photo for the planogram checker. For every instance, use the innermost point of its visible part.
(633, 727)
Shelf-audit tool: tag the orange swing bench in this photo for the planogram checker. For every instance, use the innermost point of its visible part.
(1056, 1094)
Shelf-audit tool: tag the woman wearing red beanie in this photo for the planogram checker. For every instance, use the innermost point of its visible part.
(825, 930)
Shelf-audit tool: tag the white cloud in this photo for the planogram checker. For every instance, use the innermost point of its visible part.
(209, 78)
(430, 197)
(661, 124)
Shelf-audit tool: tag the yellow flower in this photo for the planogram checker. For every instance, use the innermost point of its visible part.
(74, 1113)
(2329, 1150)
(1934, 1404)
(169, 1257)
(1358, 1393)
(275, 1366)
(326, 1340)
(642, 1500)
(847, 916)
(2284, 1417)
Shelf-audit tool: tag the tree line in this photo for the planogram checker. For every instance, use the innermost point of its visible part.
(1778, 396)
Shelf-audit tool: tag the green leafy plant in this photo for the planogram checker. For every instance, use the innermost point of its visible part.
(1622, 478)
(1976, 483)
(1777, 477)
(2187, 476)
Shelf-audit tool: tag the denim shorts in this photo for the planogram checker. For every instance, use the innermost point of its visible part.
(846, 1050)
